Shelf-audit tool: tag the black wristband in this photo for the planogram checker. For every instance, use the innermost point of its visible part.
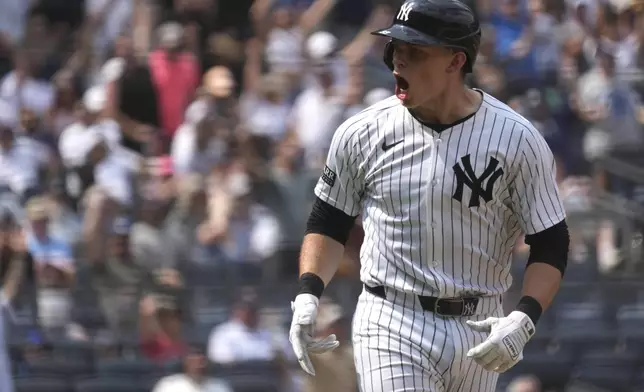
(310, 283)
(531, 307)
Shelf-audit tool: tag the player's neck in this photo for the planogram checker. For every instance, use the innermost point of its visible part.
(449, 107)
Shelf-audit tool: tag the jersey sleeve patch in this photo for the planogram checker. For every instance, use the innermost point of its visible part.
(328, 176)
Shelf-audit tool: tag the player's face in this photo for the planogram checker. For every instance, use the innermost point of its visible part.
(422, 72)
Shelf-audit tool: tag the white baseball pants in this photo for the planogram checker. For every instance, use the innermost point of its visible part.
(399, 347)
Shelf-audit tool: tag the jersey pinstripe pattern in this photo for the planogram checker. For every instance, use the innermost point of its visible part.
(441, 212)
(418, 237)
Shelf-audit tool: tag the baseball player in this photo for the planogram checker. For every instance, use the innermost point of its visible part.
(445, 178)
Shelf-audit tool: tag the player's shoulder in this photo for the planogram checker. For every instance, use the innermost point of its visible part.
(366, 123)
(508, 118)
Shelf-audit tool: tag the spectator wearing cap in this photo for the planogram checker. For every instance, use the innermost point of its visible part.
(242, 338)
(334, 370)
(193, 378)
(54, 266)
(175, 74)
(74, 139)
(320, 108)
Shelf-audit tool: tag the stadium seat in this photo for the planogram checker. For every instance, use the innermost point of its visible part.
(583, 321)
(254, 383)
(58, 368)
(274, 296)
(136, 368)
(630, 322)
(250, 368)
(109, 385)
(199, 333)
(552, 368)
(42, 385)
(73, 351)
(612, 378)
(203, 275)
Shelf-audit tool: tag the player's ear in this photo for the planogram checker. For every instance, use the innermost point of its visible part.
(458, 61)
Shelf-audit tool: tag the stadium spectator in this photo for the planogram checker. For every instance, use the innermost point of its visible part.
(175, 74)
(160, 326)
(193, 378)
(242, 338)
(524, 384)
(54, 265)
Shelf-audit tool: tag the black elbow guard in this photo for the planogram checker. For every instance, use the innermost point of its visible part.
(329, 221)
(550, 246)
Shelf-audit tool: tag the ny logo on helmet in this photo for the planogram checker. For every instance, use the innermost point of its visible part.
(403, 14)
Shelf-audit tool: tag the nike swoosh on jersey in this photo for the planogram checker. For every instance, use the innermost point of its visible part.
(386, 147)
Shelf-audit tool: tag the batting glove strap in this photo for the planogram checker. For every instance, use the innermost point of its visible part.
(526, 325)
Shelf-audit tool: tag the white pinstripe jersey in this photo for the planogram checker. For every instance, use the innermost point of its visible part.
(441, 211)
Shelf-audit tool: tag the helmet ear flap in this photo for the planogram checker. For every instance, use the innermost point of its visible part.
(389, 56)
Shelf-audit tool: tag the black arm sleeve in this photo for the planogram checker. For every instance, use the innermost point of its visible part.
(550, 246)
(329, 221)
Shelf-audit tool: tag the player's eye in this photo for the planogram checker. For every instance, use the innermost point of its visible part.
(409, 52)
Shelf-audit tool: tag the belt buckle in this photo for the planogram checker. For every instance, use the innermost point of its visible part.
(467, 308)
(437, 307)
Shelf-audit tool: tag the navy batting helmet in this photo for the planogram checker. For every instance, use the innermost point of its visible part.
(449, 23)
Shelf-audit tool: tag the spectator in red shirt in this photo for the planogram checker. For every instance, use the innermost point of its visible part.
(160, 329)
(175, 74)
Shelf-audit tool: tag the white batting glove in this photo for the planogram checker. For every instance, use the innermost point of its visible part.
(305, 309)
(503, 348)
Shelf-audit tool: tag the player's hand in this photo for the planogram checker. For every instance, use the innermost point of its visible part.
(305, 309)
(504, 346)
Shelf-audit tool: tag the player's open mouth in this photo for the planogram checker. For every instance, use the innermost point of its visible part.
(402, 85)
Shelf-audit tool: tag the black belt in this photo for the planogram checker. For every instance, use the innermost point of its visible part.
(453, 307)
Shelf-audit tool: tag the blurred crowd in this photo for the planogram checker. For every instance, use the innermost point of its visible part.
(157, 162)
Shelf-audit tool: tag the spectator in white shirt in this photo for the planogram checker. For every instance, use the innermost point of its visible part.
(320, 108)
(284, 41)
(21, 90)
(242, 339)
(195, 147)
(263, 105)
(18, 169)
(79, 175)
(193, 378)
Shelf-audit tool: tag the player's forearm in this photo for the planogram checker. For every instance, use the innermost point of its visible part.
(541, 282)
(546, 266)
(321, 255)
(327, 230)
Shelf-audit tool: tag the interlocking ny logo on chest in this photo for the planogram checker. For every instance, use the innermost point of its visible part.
(481, 187)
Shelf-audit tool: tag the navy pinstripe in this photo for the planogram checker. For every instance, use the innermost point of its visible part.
(423, 238)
